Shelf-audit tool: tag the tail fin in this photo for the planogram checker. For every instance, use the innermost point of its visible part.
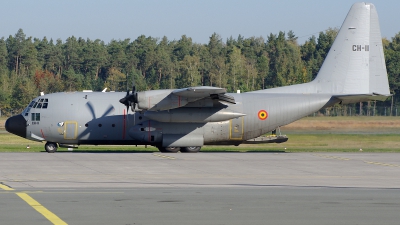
(355, 64)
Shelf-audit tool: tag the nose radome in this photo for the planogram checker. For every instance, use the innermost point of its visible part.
(16, 125)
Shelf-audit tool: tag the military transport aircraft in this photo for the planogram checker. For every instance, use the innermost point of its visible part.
(189, 118)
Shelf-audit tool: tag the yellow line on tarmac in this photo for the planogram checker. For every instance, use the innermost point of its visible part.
(331, 157)
(41, 209)
(6, 188)
(164, 156)
(382, 164)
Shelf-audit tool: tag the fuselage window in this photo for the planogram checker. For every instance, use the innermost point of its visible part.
(34, 106)
(39, 106)
(46, 100)
(45, 105)
(31, 104)
(41, 100)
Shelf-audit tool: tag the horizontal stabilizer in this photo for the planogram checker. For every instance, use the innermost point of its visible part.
(347, 99)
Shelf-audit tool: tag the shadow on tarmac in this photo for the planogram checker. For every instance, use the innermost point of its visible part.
(156, 151)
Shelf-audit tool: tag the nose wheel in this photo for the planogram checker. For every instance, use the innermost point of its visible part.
(51, 147)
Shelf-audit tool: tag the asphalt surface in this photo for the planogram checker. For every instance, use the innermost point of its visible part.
(203, 188)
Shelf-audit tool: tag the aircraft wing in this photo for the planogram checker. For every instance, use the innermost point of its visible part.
(204, 92)
(198, 92)
(158, 100)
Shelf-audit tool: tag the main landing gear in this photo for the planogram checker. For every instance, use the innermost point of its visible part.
(194, 149)
(190, 149)
(50, 147)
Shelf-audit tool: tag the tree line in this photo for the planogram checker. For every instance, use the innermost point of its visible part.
(29, 65)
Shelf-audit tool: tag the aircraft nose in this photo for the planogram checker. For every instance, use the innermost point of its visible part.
(16, 125)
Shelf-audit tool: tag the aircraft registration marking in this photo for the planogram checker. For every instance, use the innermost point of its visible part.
(164, 156)
(262, 115)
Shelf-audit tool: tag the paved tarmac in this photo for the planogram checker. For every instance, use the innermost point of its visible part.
(203, 188)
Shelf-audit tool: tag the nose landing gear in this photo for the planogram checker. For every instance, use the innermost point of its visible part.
(50, 147)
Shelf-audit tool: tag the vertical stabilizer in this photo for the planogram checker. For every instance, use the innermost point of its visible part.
(355, 64)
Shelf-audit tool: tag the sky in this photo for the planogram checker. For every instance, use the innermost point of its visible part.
(198, 19)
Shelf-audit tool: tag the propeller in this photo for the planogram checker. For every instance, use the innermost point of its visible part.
(130, 99)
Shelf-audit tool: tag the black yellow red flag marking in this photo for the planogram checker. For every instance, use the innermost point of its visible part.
(262, 115)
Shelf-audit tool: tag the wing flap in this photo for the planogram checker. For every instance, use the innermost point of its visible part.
(224, 98)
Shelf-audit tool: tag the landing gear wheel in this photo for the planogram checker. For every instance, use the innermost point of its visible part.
(51, 147)
(169, 149)
(190, 149)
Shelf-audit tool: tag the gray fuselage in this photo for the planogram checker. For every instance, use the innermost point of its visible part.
(78, 118)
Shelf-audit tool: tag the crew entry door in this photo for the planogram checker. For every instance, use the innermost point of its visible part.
(70, 130)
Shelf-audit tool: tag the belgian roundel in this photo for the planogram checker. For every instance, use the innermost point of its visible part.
(262, 114)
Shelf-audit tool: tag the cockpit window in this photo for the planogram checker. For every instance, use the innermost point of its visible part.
(26, 111)
(41, 103)
(35, 116)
